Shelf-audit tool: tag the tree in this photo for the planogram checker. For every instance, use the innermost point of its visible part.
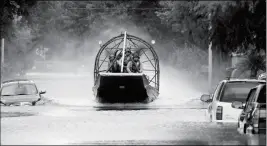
(242, 24)
(235, 26)
(188, 19)
(239, 29)
(254, 63)
(75, 19)
(259, 24)
(179, 24)
(9, 11)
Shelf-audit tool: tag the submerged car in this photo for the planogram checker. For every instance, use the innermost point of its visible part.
(20, 91)
(115, 82)
(220, 108)
(253, 116)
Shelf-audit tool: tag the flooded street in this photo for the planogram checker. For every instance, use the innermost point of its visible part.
(74, 118)
(133, 72)
(86, 125)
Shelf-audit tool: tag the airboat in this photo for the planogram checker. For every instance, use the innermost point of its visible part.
(122, 87)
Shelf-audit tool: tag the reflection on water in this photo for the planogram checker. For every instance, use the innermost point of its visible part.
(256, 139)
(144, 142)
(169, 142)
(244, 140)
(16, 114)
(123, 108)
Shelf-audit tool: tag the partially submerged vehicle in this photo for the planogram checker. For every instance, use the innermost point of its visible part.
(122, 84)
(18, 91)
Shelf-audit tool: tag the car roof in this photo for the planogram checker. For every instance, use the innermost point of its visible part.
(18, 80)
(244, 80)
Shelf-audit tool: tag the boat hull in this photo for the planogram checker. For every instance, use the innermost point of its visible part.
(124, 88)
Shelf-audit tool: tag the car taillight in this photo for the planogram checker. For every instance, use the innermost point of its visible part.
(219, 113)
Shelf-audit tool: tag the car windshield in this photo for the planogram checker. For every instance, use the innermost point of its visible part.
(18, 89)
(237, 91)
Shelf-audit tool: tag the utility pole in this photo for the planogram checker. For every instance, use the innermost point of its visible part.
(2, 40)
(210, 54)
(210, 66)
(2, 59)
(3, 51)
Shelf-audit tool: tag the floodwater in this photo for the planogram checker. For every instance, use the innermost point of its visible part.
(72, 116)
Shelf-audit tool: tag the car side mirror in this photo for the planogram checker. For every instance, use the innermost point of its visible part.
(205, 98)
(42, 92)
(237, 105)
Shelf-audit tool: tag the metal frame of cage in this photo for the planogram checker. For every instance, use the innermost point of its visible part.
(156, 70)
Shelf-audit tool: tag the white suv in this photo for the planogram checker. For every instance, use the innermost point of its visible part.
(220, 103)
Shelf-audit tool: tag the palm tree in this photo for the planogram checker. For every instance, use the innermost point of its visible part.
(254, 62)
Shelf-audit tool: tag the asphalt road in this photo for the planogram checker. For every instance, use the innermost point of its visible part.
(74, 118)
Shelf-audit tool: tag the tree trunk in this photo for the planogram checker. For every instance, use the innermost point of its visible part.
(253, 73)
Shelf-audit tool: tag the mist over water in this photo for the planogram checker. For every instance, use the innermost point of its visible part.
(71, 89)
(75, 87)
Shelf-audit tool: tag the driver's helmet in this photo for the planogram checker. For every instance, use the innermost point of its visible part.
(118, 54)
(136, 56)
(128, 50)
(111, 57)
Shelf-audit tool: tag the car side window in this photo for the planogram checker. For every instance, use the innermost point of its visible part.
(217, 91)
(251, 96)
(250, 99)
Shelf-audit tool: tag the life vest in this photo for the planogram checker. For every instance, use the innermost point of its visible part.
(113, 66)
(127, 60)
(135, 66)
(125, 63)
